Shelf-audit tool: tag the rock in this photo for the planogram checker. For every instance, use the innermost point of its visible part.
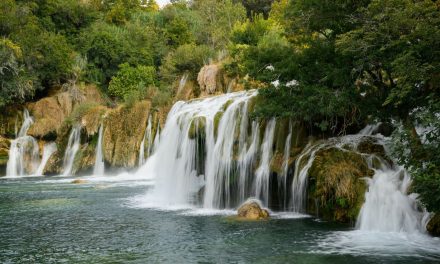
(91, 120)
(50, 112)
(433, 226)
(4, 154)
(123, 133)
(336, 186)
(370, 145)
(251, 210)
(209, 79)
(197, 128)
(79, 181)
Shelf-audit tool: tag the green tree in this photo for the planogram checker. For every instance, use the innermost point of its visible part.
(107, 46)
(132, 79)
(188, 58)
(218, 19)
(15, 85)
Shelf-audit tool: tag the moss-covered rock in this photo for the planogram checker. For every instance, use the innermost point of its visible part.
(4, 154)
(50, 112)
(54, 165)
(370, 145)
(433, 226)
(85, 158)
(197, 127)
(336, 188)
(92, 119)
(123, 132)
(217, 119)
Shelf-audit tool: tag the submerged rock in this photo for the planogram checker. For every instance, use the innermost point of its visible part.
(251, 210)
(79, 181)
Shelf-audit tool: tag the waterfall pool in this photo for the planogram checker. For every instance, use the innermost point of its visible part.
(51, 220)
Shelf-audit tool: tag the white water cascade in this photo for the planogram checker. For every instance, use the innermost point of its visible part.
(388, 207)
(71, 150)
(196, 153)
(48, 150)
(285, 165)
(147, 138)
(263, 172)
(24, 155)
(156, 140)
(98, 169)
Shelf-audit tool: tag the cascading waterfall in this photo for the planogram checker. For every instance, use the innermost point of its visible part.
(263, 172)
(24, 155)
(48, 150)
(285, 165)
(99, 161)
(156, 140)
(299, 183)
(388, 207)
(196, 152)
(182, 83)
(146, 138)
(71, 150)
(210, 154)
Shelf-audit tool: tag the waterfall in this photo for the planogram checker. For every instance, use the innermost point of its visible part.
(285, 165)
(24, 155)
(48, 150)
(146, 138)
(263, 172)
(196, 153)
(388, 207)
(182, 83)
(247, 158)
(27, 122)
(99, 161)
(299, 184)
(71, 150)
(156, 140)
(210, 155)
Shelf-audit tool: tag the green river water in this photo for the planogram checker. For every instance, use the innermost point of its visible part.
(50, 220)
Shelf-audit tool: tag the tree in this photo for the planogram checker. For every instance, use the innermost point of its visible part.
(218, 19)
(395, 50)
(15, 85)
(151, 5)
(106, 46)
(131, 79)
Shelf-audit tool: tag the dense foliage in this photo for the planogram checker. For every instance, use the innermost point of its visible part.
(334, 65)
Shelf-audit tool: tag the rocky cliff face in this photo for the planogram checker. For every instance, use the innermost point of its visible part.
(123, 132)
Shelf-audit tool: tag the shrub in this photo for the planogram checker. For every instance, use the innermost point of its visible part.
(130, 80)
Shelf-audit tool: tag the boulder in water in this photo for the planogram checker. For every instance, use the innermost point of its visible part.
(79, 181)
(251, 210)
